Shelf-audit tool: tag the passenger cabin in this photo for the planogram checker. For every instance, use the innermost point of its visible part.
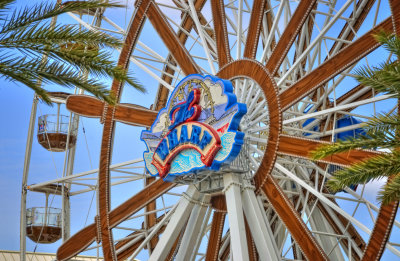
(53, 129)
(44, 224)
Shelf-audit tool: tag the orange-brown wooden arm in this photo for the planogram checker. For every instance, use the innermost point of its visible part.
(301, 147)
(296, 22)
(387, 213)
(254, 30)
(87, 236)
(91, 107)
(221, 32)
(333, 66)
(171, 40)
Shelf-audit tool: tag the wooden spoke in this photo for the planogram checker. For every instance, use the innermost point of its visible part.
(91, 107)
(220, 32)
(129, 251)
(333, 66)
(380, 234)
(77, 243)
(254, 30)
(347, 33)
(301, 147)
(250, 242)
(86, 236)
(214, 242)
(395, 8)
(387, 213)
(292, 220)
(171, 40)
(137, 202)
(362, 91)
(187, 24)
(151, 219)
(296, 22)
(350, 229)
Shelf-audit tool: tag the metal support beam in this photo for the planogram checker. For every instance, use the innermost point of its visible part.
(174, 227)
(27, 160)
(235, 217)
(262, 237)
(192, 231)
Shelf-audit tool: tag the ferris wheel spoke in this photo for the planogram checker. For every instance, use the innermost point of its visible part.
(395, 8)
(214, 242)
(349, 29)
(250, 242)
(171, 40)
(285, 41)
(77, 243)
(380, 234)
(91, 107)
(220, 32)
(192, 232)
(177, 222)
(186, 25)
(333, 66)
(215, 238)
(301, 147)
(81, 240)
(343, 227)
(292, 220)
(254, 30)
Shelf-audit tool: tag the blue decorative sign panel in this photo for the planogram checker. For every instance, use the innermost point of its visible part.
(197, 130)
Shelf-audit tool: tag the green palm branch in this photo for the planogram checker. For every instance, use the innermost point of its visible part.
(26, 36)
(382, 132)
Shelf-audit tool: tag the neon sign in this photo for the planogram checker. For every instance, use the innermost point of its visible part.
(196, 131)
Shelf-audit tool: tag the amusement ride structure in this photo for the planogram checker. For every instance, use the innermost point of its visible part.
(277, 77)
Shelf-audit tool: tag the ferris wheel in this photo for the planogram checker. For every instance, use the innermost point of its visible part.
(290, 64)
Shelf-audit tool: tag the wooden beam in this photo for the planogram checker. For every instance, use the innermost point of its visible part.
(86, 236)
(77, 243)
(129, 251)
(171, 40)
(301, 147)
(214, 241)
(89, 106)
(250, 242)
(350, 229)
(220, 32)
(387, 213)
(292, 220)
(381, 232)
(333, 66)
(151, 219)
(254, 30)
(187, 24)
(291, 31)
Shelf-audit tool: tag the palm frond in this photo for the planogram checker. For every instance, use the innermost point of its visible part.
(4, 7)
(387, 164)
(385, 78)
(52, 72)
(57, 36)
(372, 140)
(389, 41)
(39, 12)
(383, 123)
(391, 191)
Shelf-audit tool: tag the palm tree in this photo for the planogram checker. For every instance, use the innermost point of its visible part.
(33, 49)
(381, 132)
